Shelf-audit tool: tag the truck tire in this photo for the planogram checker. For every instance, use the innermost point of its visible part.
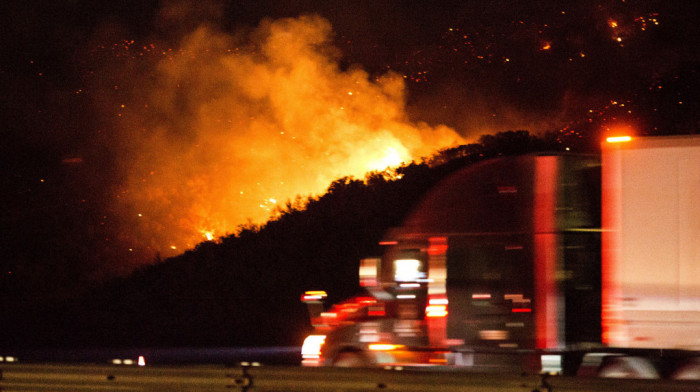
(350, 359)
(689, 370)
(627, 367)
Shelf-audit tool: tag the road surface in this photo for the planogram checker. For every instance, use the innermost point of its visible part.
(173, 378)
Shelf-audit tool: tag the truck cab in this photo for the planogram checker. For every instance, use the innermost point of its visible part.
(478, 271)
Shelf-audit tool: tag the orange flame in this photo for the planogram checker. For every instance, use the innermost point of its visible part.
(223, 129)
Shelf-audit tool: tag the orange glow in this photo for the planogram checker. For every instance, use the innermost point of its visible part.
(216, 138)
(546, 46)
(618, 139)
(384, 347)
(618, 131)
(392, 158)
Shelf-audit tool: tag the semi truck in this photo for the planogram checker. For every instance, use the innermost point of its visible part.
(555, 263)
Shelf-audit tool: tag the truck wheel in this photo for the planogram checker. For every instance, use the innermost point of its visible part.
(627, 367)
(350, 359)
(689, 370)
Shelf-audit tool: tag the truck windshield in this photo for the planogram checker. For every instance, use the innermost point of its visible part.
(409, 266)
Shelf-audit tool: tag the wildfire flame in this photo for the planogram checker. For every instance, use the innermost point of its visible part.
(218, 131)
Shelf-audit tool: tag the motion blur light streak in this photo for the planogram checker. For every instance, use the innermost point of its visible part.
(311, 349)
(618, 139)
(407, 270)
(384, 347)
(313, 296)
(436, 311)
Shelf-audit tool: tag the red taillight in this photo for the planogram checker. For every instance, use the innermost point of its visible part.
(437, 307)
(438, 246)
(520, 303)
(376, 311)
(384, 347)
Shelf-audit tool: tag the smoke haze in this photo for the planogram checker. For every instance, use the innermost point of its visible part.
(217, 130)
(135, 127)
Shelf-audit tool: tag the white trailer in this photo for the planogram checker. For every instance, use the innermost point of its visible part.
(651, 242)
(585, 265)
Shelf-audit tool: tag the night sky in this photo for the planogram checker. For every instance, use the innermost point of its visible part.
(132, 130)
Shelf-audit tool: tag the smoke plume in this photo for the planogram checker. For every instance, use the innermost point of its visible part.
(215, 130)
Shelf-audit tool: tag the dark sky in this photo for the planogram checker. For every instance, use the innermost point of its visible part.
(475, 66)
(459, 43)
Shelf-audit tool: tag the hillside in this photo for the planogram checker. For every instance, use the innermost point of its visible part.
(244, 289)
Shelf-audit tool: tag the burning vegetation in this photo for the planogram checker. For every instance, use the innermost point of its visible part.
(219, 130)
(130, 139)
(139, 133)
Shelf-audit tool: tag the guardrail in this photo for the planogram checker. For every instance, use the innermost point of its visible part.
(90, 377)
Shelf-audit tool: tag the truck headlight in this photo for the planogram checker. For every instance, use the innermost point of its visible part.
(311, 350)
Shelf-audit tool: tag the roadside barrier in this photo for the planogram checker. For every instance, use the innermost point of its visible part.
(253, 377)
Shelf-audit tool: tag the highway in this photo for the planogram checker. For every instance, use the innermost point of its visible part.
(111, 377)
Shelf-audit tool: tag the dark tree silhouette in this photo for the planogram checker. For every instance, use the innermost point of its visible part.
(244, 290)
